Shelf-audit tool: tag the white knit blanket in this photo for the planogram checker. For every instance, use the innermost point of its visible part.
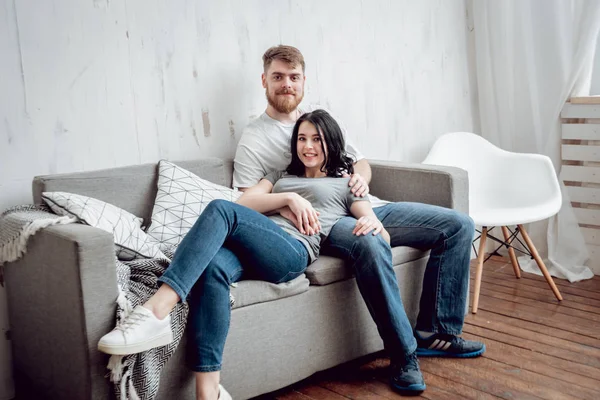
(18, 224)
(134, 376)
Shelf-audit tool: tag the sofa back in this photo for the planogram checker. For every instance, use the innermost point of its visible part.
(132, 188)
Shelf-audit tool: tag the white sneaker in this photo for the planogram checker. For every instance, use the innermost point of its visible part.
(224, 394)
(140, 331)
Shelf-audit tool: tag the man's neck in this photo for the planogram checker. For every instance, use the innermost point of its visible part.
(289, 118)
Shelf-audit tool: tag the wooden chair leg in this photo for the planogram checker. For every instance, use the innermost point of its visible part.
(479, 270)
(511, 253)
(539, 262)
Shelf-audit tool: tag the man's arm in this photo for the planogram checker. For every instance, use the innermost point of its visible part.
(364, 169)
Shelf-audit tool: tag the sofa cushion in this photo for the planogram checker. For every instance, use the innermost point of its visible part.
(328, 269)
(130, 240)
(180, 199)
(250, 292)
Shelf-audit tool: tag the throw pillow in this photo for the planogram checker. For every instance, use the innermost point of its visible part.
(130, 240)
(180, 199)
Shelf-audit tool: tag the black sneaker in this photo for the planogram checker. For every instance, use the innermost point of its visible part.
(407, 378)
(444, 345)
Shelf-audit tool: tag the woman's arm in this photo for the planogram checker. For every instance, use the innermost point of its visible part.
(367, 220)
(259, 198)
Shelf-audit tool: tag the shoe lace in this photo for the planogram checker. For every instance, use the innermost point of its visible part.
(458, 342)
(411, 363)
(130, 321)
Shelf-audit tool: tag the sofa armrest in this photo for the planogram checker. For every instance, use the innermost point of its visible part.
(431, 184)
(61, 299)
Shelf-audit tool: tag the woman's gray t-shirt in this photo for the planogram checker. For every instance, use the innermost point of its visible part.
(331, 197)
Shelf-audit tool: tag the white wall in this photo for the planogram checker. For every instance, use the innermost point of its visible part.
(99, 83)
(595, 87)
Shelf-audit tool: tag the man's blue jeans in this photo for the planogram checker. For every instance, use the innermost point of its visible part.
(227, 241)
(447, 233)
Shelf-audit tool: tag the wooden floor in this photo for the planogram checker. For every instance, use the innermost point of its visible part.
(536, 349)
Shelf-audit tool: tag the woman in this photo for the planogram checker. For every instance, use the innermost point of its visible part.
(231, 240)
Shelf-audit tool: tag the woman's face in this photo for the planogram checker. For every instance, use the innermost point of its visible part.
(311, 149)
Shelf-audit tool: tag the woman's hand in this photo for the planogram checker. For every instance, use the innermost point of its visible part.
(386, 236)
(367, 224)
(307, 218)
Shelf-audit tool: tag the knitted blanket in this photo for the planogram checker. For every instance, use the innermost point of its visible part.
(134, 376)
(18, 223)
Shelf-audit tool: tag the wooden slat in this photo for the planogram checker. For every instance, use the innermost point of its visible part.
(584, 194)
(575, 173)
(580, 111)
(587, 216)
(585, 100)
(594, 262)
(581, 131)
(591, 236)
(580, 153)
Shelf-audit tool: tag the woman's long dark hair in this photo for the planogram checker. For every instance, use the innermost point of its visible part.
(337, 161)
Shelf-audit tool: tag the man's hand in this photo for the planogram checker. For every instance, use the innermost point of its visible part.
(359, 185)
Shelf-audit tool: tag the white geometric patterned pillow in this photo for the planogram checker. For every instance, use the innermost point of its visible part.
(180, 199)
(130, 240)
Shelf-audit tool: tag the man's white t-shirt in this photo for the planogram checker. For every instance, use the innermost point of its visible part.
(265, 147)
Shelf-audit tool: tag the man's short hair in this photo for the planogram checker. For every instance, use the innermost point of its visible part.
(288, 54)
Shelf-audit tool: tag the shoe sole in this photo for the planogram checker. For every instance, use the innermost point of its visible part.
(440, 353)
(122, 350)
(413, 389)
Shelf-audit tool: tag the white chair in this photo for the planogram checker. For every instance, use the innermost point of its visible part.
(505, 189)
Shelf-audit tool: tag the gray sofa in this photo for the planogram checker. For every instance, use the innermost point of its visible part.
(61, 294)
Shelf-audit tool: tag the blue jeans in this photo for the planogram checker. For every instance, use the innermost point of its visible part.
(447, 233)
(227, 241)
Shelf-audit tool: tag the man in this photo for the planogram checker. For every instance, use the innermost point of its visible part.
(265, 146)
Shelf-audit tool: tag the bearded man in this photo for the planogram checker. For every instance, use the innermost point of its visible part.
(265, 147)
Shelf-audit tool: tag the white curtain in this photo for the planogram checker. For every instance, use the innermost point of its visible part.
(531, 56)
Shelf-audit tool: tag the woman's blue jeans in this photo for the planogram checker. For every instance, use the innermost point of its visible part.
(227, 241)
(447, 233)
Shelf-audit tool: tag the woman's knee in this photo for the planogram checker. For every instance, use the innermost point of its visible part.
(218, 205)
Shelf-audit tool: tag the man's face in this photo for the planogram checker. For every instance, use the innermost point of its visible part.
(284, 86)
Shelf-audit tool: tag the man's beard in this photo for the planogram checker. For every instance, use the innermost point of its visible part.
(284, 104)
